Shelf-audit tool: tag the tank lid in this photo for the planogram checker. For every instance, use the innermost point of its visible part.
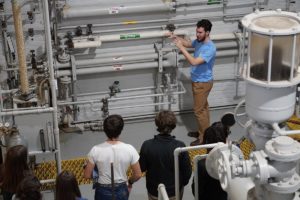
(273, 22)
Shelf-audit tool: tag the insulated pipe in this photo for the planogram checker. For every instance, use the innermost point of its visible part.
(52, 82)
(16, 8)
(98, 10)
(177, 152)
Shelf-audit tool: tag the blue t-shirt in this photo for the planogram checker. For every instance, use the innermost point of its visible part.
(206, 51)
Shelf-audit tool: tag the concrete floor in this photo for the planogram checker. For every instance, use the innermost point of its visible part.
(78, 145)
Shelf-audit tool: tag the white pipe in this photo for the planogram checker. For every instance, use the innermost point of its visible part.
(162, 193)
(52, 82)
(224, 36)
(283, 132)
(99, 10)
(47, 181)
(41, 152)
(177, 151)
(27, 112)
(112, 60)
(134, 66)
(115, 52)
(96, 41)
(236, 115)
(132, 56)
(196, 181)
(80, 44)
(136, 106)
(116, 68)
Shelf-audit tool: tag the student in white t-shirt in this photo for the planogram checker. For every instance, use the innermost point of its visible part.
(116, 155)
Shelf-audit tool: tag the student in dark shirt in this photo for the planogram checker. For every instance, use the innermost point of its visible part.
(157, 158)
(208, 187)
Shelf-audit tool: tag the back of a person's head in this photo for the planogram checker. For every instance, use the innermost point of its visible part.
(15, 166)
(113, 126)
(66, 187)
(165, 121)
(29, 189)
(215, 133)
(204, 23)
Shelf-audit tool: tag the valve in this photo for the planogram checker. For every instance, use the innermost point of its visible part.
(89, 29)
(114, 88)
(171, 27)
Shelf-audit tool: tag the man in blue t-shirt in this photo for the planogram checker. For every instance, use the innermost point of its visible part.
(201, 73)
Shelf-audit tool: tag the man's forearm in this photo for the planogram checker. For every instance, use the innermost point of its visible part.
(186, 43)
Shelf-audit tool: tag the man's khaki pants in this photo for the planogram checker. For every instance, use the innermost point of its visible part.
(201, 107)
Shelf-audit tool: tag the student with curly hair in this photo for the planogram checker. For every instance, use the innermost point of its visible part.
(157, 158)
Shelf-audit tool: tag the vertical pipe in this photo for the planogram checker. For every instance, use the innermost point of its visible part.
(243, 41)
(270, 59)
(249, 54)
(16, 8)
(293, 57)
(52, 82)
(176, 169)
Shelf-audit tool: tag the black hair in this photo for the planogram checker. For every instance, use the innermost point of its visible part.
(113, 126)
(228, 119)
(204, 23)
(215, 133)
(165, 121)
(66, 187)
(29, 189)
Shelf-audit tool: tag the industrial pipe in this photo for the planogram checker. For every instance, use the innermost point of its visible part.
(162, 193)
(96, 41)
(135, 66)
(104, 69)
(196, 181)
(176, 162)
(98, 10)
(114, 60)
(132, 56)
(52, 82)
(16, 8)
(283, 132)
(27, 112)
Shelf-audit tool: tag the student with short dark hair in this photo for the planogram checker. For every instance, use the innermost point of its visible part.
(157, 158)
(66, 187)
(15, 169)
(29, 189)
(208, 187)
(122, 156)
